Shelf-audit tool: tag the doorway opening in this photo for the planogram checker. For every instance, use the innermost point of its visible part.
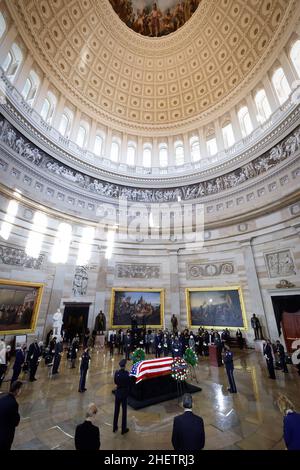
(287, 314)
(75, 319)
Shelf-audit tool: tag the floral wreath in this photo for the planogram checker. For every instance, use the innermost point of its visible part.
(190, 357)
(138, 355)
(179, 369)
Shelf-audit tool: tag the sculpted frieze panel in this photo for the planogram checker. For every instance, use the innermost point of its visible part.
(280, 263)
(196, 271)
(137, 271)
(17, 257)
(27, 151)
(80, 281)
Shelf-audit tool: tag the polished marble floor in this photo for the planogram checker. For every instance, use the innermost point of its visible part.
(51, 407)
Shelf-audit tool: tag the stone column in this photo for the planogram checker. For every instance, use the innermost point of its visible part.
(174, 296)
(100, 295)
(202, 144)
(41, 95)
(124, 145)
(289, 71)
(257, 305)
(7, 42)
(219, 137)
(252, 111)
(187, 150)
(56, 295)
(23, 73)
(171, 151)
(75, 126)
(108, 140)
(92, 137)
(271, 95)
(235, 126)
(58, 112)
(139, 159)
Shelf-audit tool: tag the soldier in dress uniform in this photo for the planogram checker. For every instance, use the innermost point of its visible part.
(19, 361)
(228, 362)
(122, 381)
(57, 357)
(33, 358)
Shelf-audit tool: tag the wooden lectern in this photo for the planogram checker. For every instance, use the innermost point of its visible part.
(215, 357)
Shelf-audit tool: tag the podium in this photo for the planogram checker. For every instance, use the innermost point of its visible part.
(215, 357)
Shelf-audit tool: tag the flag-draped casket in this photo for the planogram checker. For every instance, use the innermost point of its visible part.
(151, 368)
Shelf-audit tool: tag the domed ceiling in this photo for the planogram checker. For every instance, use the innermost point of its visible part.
(154, 19)
(129, 81)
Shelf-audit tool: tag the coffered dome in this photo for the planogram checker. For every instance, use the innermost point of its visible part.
(129, 81)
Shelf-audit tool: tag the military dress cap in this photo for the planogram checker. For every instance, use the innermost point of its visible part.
(122, 363)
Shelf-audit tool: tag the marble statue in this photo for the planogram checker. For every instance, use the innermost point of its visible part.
(57, 324)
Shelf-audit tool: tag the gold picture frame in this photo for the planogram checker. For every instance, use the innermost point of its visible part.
(115, 318)
(19, 306)
(236, 316)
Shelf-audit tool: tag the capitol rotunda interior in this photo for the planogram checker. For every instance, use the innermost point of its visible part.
(150, 168)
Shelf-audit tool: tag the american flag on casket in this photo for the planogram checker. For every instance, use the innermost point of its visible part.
(151, 368)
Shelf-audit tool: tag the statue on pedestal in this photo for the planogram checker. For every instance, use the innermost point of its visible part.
(100, 322)
(57, 324)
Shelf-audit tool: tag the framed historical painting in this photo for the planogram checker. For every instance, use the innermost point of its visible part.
(145, 306)
(19, 306)
(218, 308)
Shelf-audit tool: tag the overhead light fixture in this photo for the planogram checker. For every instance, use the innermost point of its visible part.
(9, 219)
(62, 242)
(36, 235)
(85, 246)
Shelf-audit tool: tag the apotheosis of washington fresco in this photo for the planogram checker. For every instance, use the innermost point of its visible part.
(154, 19)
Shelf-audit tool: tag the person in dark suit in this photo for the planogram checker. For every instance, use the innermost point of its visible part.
(84, 366)
(291, 423)
(188, 429)
(127, 345)
(33, 357)
(122, 381)
(18, 364)
(87, 435)
(269, 358)
(228, 362)
(57, 357)
(9, 415)
(281, 355)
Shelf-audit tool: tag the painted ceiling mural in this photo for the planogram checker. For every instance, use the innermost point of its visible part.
(154, 19)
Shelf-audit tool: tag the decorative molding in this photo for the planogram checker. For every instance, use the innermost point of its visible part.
(196, 271)
(284, 284)
(280, 263)
(80, 281)
(18, 257)
(137, 271)
(26, 151)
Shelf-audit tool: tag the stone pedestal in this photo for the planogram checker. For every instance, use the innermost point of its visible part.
(100, 341)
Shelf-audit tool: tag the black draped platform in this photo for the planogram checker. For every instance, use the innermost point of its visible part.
(151, 391)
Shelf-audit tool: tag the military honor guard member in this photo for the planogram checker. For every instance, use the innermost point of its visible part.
(228, 362)
(122, 381)
(84, 366)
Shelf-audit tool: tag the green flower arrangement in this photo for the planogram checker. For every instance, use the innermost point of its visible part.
(179, 369)
(138, 355)
(190, 357)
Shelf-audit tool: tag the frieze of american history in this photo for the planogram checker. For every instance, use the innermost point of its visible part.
(260, 165)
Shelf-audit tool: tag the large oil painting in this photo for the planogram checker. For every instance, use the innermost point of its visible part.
(220, 307)
(154, 19)
(19, 306)
(146, 306)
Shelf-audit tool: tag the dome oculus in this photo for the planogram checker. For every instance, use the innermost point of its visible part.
(154, 19)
